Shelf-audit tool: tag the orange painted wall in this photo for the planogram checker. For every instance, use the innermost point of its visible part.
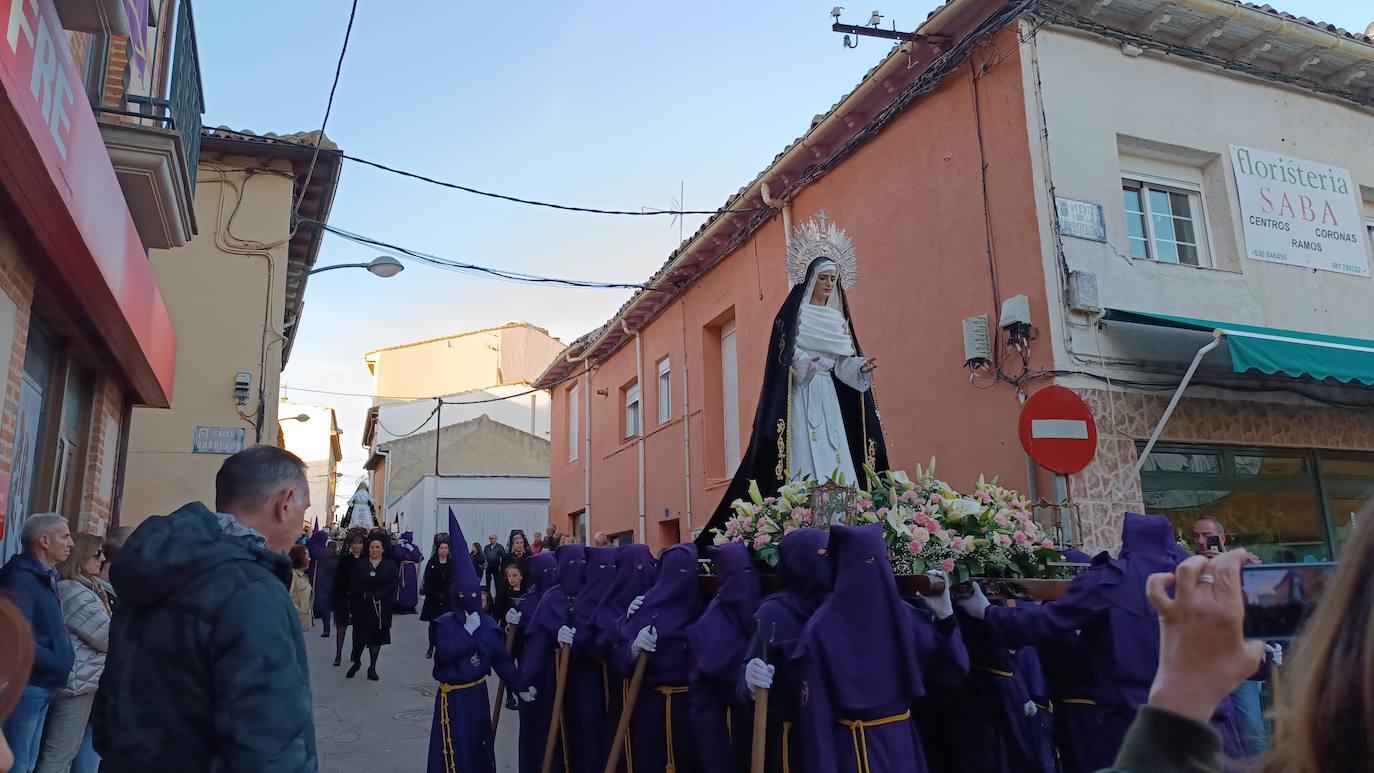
(912, 202)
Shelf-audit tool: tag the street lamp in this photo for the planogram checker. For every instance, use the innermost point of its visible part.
(383, 266)
(299, 417)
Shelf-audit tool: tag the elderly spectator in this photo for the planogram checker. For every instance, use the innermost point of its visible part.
(550, 538)
(600, 540)
(29, 579)
(87, 610)
(207, 667)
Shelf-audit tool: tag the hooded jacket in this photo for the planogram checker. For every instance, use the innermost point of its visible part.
(33, 588)
(206, 669)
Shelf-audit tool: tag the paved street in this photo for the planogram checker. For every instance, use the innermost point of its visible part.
(383, 727)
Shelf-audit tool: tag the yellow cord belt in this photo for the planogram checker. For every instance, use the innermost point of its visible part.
(860, 738)
(993, 671)
(446, 728)
(668, 693)
(1078, 701)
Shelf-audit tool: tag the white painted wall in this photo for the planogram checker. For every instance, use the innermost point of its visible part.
(483, 504)
(1091, 94)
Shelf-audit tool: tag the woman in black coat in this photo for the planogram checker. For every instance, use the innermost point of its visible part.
(342, 600)
(372, 586)
(435, 586)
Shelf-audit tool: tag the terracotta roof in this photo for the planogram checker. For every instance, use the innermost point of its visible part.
(1321, 25)
(315, 205)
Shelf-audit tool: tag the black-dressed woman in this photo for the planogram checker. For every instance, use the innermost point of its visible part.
(435, 586)
(343, 597)
(373, 588)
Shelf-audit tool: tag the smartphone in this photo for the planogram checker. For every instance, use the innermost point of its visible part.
(1279, 597)
(1214, 542)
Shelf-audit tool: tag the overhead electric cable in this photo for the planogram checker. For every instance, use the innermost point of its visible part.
(328, 107)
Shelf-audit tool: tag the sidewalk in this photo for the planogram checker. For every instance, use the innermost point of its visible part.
(383, 727)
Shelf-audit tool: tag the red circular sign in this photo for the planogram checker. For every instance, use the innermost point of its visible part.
(1057, 430)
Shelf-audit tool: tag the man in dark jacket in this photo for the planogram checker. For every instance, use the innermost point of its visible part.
(495, 555)
(207, 668)
(30, 581)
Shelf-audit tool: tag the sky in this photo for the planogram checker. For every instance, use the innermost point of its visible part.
(608, 104)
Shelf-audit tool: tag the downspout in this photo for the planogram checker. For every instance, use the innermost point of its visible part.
(786, 206)
(686, 415)
(639, 381)
(587, 434)
(386, 480)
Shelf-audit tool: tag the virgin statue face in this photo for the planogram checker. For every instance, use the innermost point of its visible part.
(825, 285)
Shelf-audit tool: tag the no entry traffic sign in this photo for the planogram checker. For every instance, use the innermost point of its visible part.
(1057, 430)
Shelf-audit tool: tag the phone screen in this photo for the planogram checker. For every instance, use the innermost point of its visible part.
(1279, 597)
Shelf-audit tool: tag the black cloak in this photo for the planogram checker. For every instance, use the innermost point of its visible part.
(768, 442)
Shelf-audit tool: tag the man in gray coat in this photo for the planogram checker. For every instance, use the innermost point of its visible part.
(207, 668)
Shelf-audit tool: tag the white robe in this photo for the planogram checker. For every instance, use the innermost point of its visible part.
(820, 446)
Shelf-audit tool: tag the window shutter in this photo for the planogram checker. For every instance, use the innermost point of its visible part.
(730, 394)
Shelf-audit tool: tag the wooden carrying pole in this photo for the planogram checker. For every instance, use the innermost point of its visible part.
(556, 721)
(501, 688)
(613, 762)
(760, 730)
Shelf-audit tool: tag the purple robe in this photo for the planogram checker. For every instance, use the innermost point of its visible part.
(866, 657)
(460, 737)
(408, 556)
(718, 643)
(660, 731)
(635, 572)
(321, 572)
(1107, 609)
(588, 700)
(536, 671)
(806, 574)
(538, 662)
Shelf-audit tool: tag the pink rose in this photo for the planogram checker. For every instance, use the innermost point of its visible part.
(801, 512)
(788, 530)
(1003, 540)
(957, 544)
(915, 547)
(761, 540)
(1021, 538)
(1048, 544)
(1001, 520)
(948, 565)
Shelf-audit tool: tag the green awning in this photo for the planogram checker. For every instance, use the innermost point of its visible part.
(1270, 350)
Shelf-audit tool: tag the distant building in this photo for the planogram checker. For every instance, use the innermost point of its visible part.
(481, 373)
(312, 433)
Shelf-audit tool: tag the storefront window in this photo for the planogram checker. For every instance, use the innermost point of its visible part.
(1283, 504)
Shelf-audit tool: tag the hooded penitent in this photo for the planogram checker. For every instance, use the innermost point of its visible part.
(635, 572)
(670, 606)
(461, 736)
(866, 656)
(718, 644)
(536, 670)
(408, 555)
(581, 727)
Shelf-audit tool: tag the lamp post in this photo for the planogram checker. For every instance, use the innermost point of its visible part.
(297, 417)
(383, 266)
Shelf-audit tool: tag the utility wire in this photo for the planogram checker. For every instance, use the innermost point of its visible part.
(549, 205)
(471, 269)
(328, 107)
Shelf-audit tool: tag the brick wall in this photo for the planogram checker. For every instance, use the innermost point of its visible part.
(116, 75)
(17, 281)
(102, 456)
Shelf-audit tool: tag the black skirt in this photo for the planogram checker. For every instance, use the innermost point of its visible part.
(368, 636)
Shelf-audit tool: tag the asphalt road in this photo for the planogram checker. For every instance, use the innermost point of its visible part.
(383, 727)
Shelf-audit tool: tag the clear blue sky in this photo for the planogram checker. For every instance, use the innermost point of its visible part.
(611, 105)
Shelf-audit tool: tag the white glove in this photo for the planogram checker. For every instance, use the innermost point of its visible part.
(566, 634)
(941, 605)
(758, 675)
(976, 604)
(528, 695)
(1275, 651)
(646, 641)
(635, 604)
(513, 616)
(1030, 708)
(472, 622)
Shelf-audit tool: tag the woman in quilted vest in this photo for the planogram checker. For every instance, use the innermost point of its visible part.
(86, 610)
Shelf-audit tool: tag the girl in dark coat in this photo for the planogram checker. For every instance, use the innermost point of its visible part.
(372, 585)
(438, 576)
(343, 596)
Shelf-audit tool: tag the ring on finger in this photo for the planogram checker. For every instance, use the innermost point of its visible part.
(1207, 578)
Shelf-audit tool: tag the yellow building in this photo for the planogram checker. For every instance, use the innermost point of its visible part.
(234, 295)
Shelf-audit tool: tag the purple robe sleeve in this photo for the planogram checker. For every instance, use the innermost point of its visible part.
(536, 655)
(944, 658)
(817, 715)
(494, 643)
(622, 658)
(1051, 622)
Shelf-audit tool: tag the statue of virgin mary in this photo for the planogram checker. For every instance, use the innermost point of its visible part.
(816, 414)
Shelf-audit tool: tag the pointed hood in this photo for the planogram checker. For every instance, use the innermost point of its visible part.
(675, 599)
(465, 591)
(805, 569)
(719, 639)
(598, 575)
(317, 543)
(635, 572)
(543, 575)
(572, 568)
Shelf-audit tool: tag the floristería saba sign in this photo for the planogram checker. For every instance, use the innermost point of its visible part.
(1301, 213)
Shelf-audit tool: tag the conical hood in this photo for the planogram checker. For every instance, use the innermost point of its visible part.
(465, 592)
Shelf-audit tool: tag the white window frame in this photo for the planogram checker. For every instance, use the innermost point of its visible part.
(730, 396)
(665, 391)
(1369, 234)
(573, 420)
(634, 413)
(1193, 191)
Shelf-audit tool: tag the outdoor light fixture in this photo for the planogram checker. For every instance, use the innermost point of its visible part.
(298, 417)
(383, 266)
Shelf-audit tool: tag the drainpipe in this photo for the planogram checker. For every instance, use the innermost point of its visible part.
(1173, 403)
(686, 417)
(639, 380)
(786, 206)
(587, 434)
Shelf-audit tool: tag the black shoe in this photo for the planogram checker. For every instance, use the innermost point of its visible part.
(429, 653)
(372, 674)
(353, 670)
(325, 635)
(512, 702)
(337, 660)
